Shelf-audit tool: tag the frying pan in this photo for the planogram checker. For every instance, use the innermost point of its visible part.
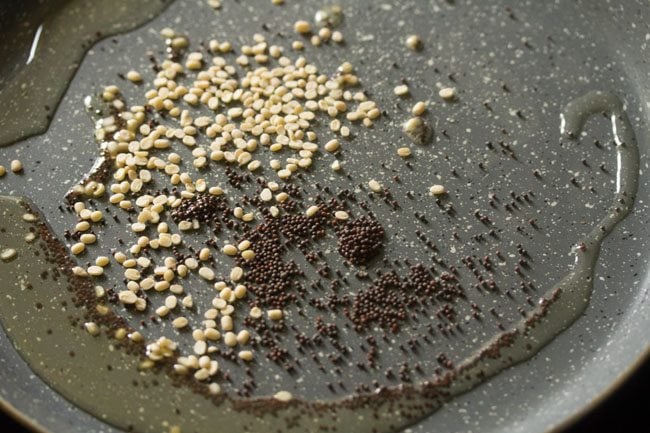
(527, 61)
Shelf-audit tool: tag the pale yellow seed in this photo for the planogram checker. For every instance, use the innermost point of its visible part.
(243, 336)
(8, 254)
(274, 314)
(134, 76)
(448, 93)
(248, 255)
(246, 355)
(311, 211)
(95, 271)
(127, 297)
(414, 42)
(92, 328)
(332, 145)
(404, 152)
(374, 185)
(230, 250)
(16, 166)
(255, 312)
(401, 90)
(341, 215)
(419, 108)
(88, 238)
(236, 274)
(78, 248)
(302, 27)
(437, 190)
(283, 396)
(206, 273)
(180, 322)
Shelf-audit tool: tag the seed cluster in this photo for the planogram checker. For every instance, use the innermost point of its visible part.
(360, 240)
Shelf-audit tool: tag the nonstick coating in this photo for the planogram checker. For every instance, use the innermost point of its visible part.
(547, 52)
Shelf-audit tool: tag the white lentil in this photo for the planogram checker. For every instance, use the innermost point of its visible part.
(16, 166)
(180, 322)
(414, 42)
(437, 190)
(283, 396)
(404, 152)
(8, 254)
(375, 186)
(447, 93)
(341, 215)
(134, 76)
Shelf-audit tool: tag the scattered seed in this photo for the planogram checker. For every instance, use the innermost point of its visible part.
(134, 76)
(414, 42)
(92, 328)
(246, 355)
(8, 254)
(404, 152)
(16, 166)
(374, 186)
(437, 190)
(401, 90)
(302, 27)
(419, 108)
(180, 322)
(448, 93)
(311, 211)
(341, 215)
(283, 396)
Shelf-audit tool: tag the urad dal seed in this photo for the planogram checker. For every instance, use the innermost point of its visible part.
(266, 195)
(401, 90)
(134, 76)
(246, 355)
(92, 328)
(414, 42)
(8, 254)
(341, 215)
(236, 274)
(16, 166)
(230, 250)
(332, 145)
(180, 322)
(447, 93)
(404, 152)
(206, 273)
(274, 314)
(29, 217)
(95, 271)
(311, 211)
(302, 27)
(419, 108)
(437, 190)
(3, 170)
(283, 396)
(255, 312)
(416, 130)
(127, 297)
(78, 248)
(374, 186)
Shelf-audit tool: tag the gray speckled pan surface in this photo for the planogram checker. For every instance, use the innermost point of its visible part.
(547, 54)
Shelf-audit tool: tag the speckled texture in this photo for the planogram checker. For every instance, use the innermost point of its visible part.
(592, 53)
